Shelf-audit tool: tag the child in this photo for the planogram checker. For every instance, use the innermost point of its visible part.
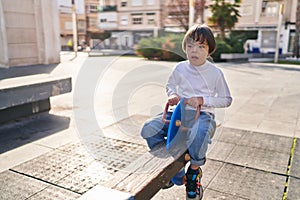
(204, 85)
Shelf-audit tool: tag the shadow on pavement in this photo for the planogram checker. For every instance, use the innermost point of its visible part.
(26, 70)
(26, 130)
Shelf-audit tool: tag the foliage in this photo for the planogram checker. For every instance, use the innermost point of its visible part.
(236, 43)
(169, 47)
(178, 11)
(224, 15)
(222, 47)
(233, 44)
(161, 48)
(237, 40)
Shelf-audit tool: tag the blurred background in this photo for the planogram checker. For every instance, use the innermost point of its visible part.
(35, 31)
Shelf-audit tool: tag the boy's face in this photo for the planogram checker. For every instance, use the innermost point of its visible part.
(197, 52)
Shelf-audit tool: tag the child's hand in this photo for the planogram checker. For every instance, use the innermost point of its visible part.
(195, 101)
(173, 100)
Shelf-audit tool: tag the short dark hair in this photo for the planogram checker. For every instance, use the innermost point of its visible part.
(200, 33)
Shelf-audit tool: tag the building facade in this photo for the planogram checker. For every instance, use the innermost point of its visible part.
(28, 35)
(263, 16)
(66, 23)
(127, 21)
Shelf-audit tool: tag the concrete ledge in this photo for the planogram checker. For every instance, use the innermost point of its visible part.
(24, 110)
(21, 96)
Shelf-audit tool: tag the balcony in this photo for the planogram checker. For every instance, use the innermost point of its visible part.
(107, 8)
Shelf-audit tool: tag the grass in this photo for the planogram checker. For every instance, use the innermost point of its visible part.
(291, 62)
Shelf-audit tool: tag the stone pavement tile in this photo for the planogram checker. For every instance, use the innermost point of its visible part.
(210, 170)
(59, 139)
(22, 154)
(26, 130)
(107, 150)
(86, 177)
(297, 133)
(267, 141)
(269, 161)
(262, 99)
(78, 167)
(255, 109)
(230, 135)
(54, 193)
(242, 121)
(128, 129)
(17, 186)
(216, 195)
(219, 150)
(293, 189)
(248, 183)
(228, 142)
(289, 115)
(277, 127)
(295, 168)
(52, 166)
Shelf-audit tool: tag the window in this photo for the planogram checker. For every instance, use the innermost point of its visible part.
(268, 39)
(124, 20)
(68, 25)
(151, 18)
(92, 8)
(291, 41)
(81, 26)
(137, 2)
(150, 2)
(152, 13)
(93, 22)
(270, 8)
(137, 20)
(151, 21)
(123, 3)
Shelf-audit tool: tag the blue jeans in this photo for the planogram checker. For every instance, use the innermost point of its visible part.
(199, 135)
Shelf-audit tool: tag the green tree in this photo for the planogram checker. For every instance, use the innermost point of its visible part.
(177, 11)
(224, 15)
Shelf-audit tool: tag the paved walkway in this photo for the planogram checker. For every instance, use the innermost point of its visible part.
(63, 155)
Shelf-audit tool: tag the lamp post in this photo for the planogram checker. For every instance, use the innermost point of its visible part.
(278, 33)
(191, 12)
(74, 21)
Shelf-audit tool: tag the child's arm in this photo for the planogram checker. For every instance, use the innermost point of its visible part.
(171, 89)
(223, 97)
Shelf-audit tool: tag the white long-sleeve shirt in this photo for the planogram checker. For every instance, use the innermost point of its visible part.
(205, 81)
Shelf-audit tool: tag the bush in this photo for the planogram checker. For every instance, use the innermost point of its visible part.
(161, 48)
(149, 48)
(236, 42)
(233, 44)
(222, 47)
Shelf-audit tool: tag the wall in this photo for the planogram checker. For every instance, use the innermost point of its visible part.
(29, 32)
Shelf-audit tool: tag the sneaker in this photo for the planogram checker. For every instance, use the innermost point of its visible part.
(192, 183)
